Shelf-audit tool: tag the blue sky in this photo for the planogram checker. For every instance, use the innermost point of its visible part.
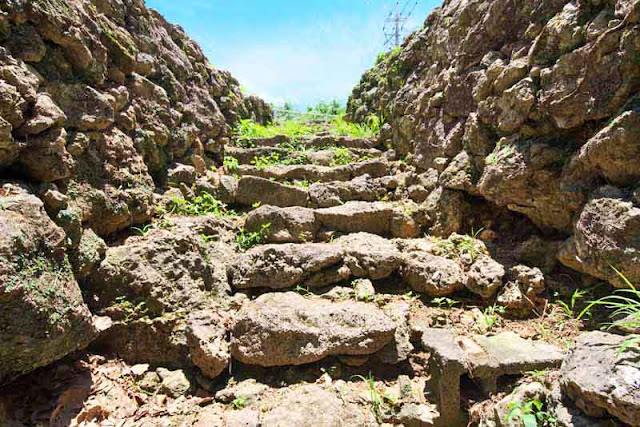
(285, 50)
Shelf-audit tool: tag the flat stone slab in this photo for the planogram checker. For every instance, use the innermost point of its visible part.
(483, 358)
(601, 380)
(280, 329)
(253, 189)
(313, 173)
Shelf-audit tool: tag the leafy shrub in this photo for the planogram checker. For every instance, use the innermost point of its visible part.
(247, 240)
(203, 204)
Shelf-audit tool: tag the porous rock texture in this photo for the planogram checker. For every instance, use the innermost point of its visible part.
(100, 97)
(289, 329)
(42, 313)
(601, 380)
(531, 106)
(98, 101)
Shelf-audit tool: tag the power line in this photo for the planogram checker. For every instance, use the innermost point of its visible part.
(394, 24)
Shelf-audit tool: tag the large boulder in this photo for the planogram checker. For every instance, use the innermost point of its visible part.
(601, 380)
(287, 265)
(432, 274)
(286, 225)
(42, 312)
(148, 284)
(289, 329)
(606, 235)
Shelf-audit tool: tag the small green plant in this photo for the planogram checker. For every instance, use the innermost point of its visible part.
(275, 159)
(208, 238)
(239, 402)
(500, 152)
(142, 231)
(624, 303)
(531, 413)
(231, 163)
(303, 290)
(569, 309)
(445, 302)
(490, 318)
(376, 399)
(341, 156)
(256, 205)
(246, 240)
(203, 204)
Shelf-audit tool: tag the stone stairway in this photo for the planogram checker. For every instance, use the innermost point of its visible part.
(333, 233)
(340, 270)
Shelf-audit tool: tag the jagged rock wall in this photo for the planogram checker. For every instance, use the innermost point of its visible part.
(531, 105)
(100, 97)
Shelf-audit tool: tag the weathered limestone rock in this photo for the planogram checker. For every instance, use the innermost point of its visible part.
(600, 381)
(354, 217)
(42, 312)
(147, 284)
(174, 383)
(485, 276)
(254, 189)
(335, 193)
(370, 256)
(484, 358)
(606, 234)
(287, 265)
(289, 329)
(521, 294)
(313, 405)
(287, 225)
(432, 274)
(208, 347)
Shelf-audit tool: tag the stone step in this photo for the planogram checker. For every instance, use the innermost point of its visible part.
(298, 224)
(318, 141)
(375, 168)
(483, 358)
(321, 157)
(280, 329)
(427, 265)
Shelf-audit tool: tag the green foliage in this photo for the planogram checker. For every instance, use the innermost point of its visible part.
(569, 309)
(231, 163)
(340, 127)
(531, 413)
(292, 128)
(377, 400)
(333, 108)
(490, 318)
(445, 302)
(305, 127)
(246, 240)
(203, 204)
(239, 402)
(500, 153)
(274, 158)
(144, 230)
(341, 156)
(623, 303)
(208, 238)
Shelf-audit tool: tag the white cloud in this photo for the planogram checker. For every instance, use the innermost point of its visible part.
(321, 62)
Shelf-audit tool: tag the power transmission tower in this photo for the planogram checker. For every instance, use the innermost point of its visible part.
(395, 22)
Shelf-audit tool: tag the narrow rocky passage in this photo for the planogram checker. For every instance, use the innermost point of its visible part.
(459, 246)
(296, 286)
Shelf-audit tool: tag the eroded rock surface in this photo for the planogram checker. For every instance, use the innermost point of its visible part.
(289, 329)
(42, 312)
(531, 107)
(600, 380)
